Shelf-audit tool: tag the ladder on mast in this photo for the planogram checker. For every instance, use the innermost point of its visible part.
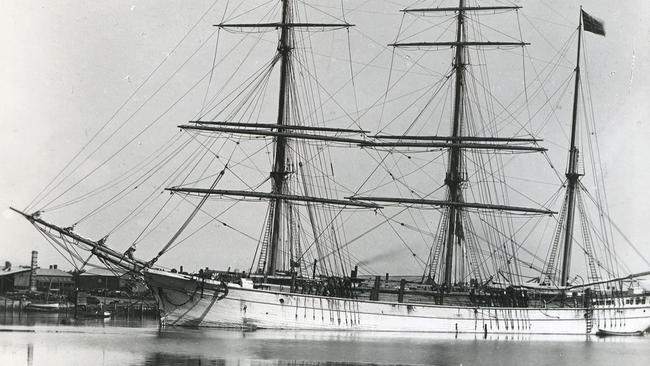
(589, 251)
(550, 273)
(262, 260)
(439, 244)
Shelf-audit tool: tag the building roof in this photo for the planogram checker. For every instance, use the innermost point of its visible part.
(104, 272)
(13, 271)
(51, 272)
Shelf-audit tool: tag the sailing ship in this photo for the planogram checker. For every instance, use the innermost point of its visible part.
(301, 276)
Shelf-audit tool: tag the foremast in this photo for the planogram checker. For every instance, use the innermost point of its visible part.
(278, 175)
(453, 178)
(282, 131)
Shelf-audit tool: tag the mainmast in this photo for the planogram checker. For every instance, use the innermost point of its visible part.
(452, 233)
(453, 178)
(278, 175)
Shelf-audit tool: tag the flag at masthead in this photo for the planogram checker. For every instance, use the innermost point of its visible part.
(592, 24)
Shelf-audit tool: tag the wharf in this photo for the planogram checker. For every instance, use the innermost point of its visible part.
(116, 306)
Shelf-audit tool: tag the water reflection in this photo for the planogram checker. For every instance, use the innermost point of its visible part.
(166, 359)
(50, 339)
(185, 346)
(30, 354)
(32, 319)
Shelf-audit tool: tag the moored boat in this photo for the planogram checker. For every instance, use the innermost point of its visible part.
(44, 307)
(187, 300)
(302, 276)
(610, 333)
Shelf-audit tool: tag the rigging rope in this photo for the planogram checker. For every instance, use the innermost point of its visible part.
(189, 219)
(36, 199)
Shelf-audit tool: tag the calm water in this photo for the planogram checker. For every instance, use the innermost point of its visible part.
(54, 340)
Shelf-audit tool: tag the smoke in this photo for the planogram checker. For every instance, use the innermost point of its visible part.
(379, 257)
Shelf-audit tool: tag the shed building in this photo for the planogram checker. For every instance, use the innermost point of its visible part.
(46, 279)
(8, 278)
(99, 278)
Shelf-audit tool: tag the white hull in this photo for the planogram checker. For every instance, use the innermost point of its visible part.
(51, 308)
(184, 301)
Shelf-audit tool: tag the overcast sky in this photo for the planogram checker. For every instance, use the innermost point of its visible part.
(66, 66)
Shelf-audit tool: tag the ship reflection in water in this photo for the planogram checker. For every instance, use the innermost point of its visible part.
(58, 340)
